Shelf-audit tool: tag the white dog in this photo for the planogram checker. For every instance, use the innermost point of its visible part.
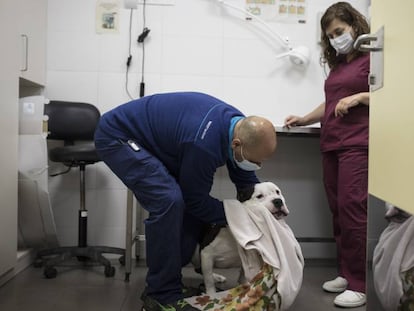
(219, 249)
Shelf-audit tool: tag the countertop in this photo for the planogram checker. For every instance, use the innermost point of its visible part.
(298, 131)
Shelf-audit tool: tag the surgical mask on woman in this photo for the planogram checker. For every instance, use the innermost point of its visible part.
(246, 165)
(343, 44)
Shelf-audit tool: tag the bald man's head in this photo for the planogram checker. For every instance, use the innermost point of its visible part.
(256, 136)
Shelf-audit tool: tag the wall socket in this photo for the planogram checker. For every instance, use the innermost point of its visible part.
(157, 2)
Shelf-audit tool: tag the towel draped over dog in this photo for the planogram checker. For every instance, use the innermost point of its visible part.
(393, 256)
(264, 239)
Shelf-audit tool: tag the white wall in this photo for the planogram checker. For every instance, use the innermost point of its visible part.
(193, 45)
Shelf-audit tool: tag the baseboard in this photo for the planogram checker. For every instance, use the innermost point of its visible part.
(24, 259)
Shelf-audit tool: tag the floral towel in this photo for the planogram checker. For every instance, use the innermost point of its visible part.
(259, 294)
(407, 300)
(393, 264)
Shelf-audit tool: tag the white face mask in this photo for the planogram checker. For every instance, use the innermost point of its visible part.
(343, 44)
(246, 165)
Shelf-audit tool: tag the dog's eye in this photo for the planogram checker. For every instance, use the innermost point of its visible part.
(278, 192)
(260, 196)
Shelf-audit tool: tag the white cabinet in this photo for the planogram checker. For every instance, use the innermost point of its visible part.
(22, 63)
(32, 27)
(9, 79)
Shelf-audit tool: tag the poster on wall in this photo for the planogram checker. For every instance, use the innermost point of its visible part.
(107, 16)
(290, 11)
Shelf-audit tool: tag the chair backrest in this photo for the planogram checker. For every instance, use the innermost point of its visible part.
(70, 121)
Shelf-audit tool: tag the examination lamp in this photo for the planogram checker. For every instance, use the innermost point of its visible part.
(299, 56)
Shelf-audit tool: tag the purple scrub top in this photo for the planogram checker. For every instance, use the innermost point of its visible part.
(351, 130)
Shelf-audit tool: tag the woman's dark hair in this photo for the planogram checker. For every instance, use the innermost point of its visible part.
(346, 13)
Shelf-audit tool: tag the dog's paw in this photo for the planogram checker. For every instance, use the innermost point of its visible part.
(219, 278)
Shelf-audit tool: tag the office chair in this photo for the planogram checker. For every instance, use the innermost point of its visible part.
(75, 123)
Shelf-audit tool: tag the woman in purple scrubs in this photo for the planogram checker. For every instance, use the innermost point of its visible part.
(344, 120)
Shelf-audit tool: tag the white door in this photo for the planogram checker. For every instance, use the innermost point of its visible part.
(391, 145)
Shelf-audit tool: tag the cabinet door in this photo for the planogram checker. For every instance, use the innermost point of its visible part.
(32, 26)
(9, 65)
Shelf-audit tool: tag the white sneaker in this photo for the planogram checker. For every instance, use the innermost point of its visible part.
(350, 299)
(335, 286)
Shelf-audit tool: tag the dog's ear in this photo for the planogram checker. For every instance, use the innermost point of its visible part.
(245, 194)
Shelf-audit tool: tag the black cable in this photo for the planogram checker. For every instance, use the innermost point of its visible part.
(141, 39)
(128, 63)
(62, 172)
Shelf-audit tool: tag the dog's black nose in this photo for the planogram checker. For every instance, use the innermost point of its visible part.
(278, 203)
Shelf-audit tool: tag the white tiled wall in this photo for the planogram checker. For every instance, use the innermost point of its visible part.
(193, 45)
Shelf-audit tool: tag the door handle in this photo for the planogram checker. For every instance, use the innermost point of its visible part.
(360, 43)
(374, 44)
(25, 43)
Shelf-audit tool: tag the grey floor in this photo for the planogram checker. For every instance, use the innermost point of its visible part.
(81, 289)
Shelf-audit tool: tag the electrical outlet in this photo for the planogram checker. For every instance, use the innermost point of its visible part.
(157, 2)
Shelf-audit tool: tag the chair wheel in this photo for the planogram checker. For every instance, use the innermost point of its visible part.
(122, 260)
(50, 273)
(109, 271)
(38, 263)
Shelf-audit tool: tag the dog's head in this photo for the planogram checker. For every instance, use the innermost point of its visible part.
(269, 195)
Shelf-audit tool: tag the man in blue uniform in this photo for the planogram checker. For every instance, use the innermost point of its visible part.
(166, 148)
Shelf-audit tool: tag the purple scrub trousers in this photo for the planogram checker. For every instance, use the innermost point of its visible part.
(345, 174)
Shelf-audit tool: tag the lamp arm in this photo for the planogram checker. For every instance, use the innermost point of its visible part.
(284, 42)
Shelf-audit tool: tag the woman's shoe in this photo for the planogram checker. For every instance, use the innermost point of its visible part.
(350, 299)
(335, 286)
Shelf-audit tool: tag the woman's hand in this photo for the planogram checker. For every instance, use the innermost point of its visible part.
(343, 106)
(291, 121)
(312, 117)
